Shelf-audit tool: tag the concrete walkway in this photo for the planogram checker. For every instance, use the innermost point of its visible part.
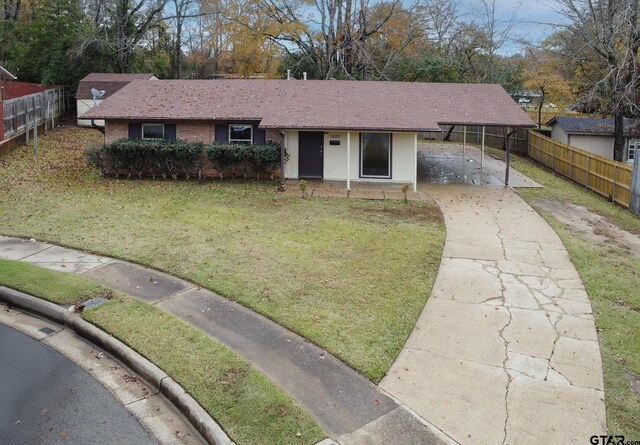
(505, 351)
(350, 408)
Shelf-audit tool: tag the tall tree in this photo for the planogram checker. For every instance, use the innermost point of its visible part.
(542, 73)
(129, 22)
(603, 36)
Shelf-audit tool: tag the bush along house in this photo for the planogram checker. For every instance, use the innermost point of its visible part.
(325, 129)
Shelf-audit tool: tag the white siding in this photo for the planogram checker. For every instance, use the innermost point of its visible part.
(403, 157)
(83, 106)
(335, 157)
(291, 144)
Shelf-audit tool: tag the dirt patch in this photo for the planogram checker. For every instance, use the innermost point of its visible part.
(408, 211)
(592, 226)
(634, 380)
(232, 376)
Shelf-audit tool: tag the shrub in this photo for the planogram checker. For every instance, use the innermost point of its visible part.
(266, 159)
(169, 157)
(221, 156)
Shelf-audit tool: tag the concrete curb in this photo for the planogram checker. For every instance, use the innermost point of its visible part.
(186, 404)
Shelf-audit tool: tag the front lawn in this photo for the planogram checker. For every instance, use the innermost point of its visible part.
(248, 407)
(609, 266)
(350, 275)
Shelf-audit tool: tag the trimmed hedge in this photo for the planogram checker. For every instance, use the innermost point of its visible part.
(173, 158)
(231, 158)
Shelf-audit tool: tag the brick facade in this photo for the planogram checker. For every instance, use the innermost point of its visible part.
(274, 136)
(197, 131)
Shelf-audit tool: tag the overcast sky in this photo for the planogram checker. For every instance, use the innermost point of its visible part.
(531, 17)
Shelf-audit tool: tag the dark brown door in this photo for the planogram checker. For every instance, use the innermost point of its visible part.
(310, 147)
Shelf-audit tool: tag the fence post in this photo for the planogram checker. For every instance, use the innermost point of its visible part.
(634, 199)
(570, 161)
(588, 164)
(553, 156)
(613, 194)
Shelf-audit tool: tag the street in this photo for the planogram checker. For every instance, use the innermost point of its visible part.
(47, 399)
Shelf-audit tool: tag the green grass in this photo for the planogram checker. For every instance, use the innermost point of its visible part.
(611, 275)
(247, 406)
(57, 287)
(350, 275)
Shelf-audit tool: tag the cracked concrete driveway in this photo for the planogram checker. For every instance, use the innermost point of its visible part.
(506, 349)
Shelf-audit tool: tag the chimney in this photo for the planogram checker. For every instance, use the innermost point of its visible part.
(288, 74)
(304, 75)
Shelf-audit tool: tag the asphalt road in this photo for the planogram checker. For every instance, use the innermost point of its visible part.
(47, 399)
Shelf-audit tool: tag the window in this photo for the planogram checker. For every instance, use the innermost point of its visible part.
(152, 131)
(634, 144)
(241, 133)
(375, 155)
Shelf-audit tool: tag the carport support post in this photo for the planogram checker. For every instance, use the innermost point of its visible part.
(348, 160)
(482, 151)
(464, 139)
(507, 147)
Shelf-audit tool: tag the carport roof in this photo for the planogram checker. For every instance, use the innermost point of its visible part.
(316, 104)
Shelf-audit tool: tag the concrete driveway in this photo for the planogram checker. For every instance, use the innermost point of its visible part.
(505, 350)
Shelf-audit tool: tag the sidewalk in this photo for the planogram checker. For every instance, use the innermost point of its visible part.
(350, 408)
(506, 349)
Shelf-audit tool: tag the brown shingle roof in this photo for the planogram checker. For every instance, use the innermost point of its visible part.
(109, 82)
(317, 104)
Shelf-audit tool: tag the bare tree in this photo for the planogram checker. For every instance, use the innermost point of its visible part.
(604, 37)
(130, 22)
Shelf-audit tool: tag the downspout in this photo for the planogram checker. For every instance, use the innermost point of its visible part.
(507, 146)
(100, 129)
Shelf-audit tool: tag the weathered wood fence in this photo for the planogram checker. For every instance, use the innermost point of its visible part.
(609, 178)
(27, 111)
(493, 137)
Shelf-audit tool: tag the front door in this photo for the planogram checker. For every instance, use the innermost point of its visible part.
(310, 146)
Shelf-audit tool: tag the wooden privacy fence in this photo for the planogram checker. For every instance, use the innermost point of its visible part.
(609, 178)
(493, 136)
(34, 109)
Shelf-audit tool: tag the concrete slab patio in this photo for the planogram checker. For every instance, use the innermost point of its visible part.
(505, 351)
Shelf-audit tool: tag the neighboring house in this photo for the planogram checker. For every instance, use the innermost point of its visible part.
(592, 135)
(107, 82)
(337, 130)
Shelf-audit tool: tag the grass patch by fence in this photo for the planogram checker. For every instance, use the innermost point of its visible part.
(608, 178)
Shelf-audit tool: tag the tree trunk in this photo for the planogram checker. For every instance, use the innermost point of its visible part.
(618, 133)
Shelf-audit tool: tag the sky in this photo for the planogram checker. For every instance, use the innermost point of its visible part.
(530, 19)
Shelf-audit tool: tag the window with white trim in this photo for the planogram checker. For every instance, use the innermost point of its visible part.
(241, 133)
(634, 144)
(375, 155)
(152, 131)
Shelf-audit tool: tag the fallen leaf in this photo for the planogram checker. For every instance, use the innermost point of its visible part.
(376, 402)
(62, 434)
